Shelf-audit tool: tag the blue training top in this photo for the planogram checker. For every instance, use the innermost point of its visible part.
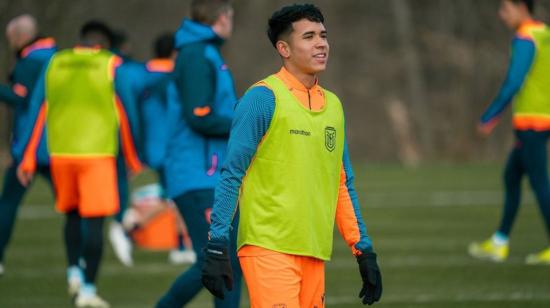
(30, 62)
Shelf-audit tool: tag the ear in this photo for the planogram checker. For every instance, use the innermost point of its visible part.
(283, 48)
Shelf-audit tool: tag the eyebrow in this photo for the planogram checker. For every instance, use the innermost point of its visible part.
(313, 32)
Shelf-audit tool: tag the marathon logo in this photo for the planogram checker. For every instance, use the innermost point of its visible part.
(300, 132)
(84, 65)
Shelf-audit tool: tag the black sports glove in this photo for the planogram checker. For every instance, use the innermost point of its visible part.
(216, 271)
(372, 279)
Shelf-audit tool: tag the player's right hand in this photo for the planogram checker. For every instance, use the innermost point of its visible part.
(24, 177)
(485, 129)
(216, 271)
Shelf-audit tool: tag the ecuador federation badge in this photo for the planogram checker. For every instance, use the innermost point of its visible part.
(330, 138)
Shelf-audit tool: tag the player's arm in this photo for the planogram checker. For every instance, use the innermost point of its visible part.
(127, 115)
(32, 136)
(348, 214)
(353, 229)
(196, 82)
(253, 116)
(12, 95)
(523, 54)
(128, 87)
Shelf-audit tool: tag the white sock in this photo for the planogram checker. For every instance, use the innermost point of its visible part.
(88, 289)
(499, 239)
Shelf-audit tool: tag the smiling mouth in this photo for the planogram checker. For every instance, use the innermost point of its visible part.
(320, 56)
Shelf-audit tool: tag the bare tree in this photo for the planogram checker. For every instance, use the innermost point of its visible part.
(415, 87)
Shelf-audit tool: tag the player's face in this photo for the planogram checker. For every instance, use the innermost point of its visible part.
(308, 47)
(226, 22)
(11, 37)
(510, 13)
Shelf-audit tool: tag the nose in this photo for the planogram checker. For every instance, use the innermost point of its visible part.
(321, 43)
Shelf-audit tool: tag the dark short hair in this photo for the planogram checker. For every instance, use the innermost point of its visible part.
(164, 45)
(280, 23)
(207, 11)
(119, 39)
(530, 4)
(94, 28)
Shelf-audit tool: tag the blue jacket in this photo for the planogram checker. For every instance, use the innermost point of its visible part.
(159, 108)
(133, 80)
(30, 62)
(197, 145)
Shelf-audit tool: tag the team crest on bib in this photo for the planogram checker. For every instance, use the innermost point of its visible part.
(330, 138)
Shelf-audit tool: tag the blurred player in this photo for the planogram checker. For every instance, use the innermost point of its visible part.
(159, 110)
(155, 224)
(527, 85)
(289, 172)
(76, 102)
(197, 145)
(135, 79)
(129, 85)
(33, 51)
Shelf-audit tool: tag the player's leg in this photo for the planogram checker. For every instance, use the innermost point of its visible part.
(184, 253)
(97, 188)
(92, 251)
(195, 206)
(73, 242)
(122, 246)
(63, 176)
(312, 289)
(496, 247)
(536, 163)
(273, 279)
(12, 194)
(513, 175)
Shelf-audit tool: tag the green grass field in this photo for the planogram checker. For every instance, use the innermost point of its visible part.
(421, 221)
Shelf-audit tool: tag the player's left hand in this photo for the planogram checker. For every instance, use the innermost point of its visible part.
(216, 271)
(372, 279)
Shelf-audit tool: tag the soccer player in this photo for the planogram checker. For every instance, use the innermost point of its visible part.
(136, 78)
(158, 112)
(289, 171)
(33, 51)
(197, 145)
(527, 86)
(77, 104)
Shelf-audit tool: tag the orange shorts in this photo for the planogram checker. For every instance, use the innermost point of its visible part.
(86, 184)
(161, 233)
(278, 280)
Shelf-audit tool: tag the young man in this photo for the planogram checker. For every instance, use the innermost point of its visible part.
(77, 103)
(527, 85)
(197, 145)
(148, 126)
(289, 171)
(159, 108)
(33, 52)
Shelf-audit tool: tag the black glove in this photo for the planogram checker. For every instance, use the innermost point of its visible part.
(216, 271)
(372, 279)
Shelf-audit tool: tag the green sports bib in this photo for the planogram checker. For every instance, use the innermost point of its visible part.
(81, 117)
(289, 194)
